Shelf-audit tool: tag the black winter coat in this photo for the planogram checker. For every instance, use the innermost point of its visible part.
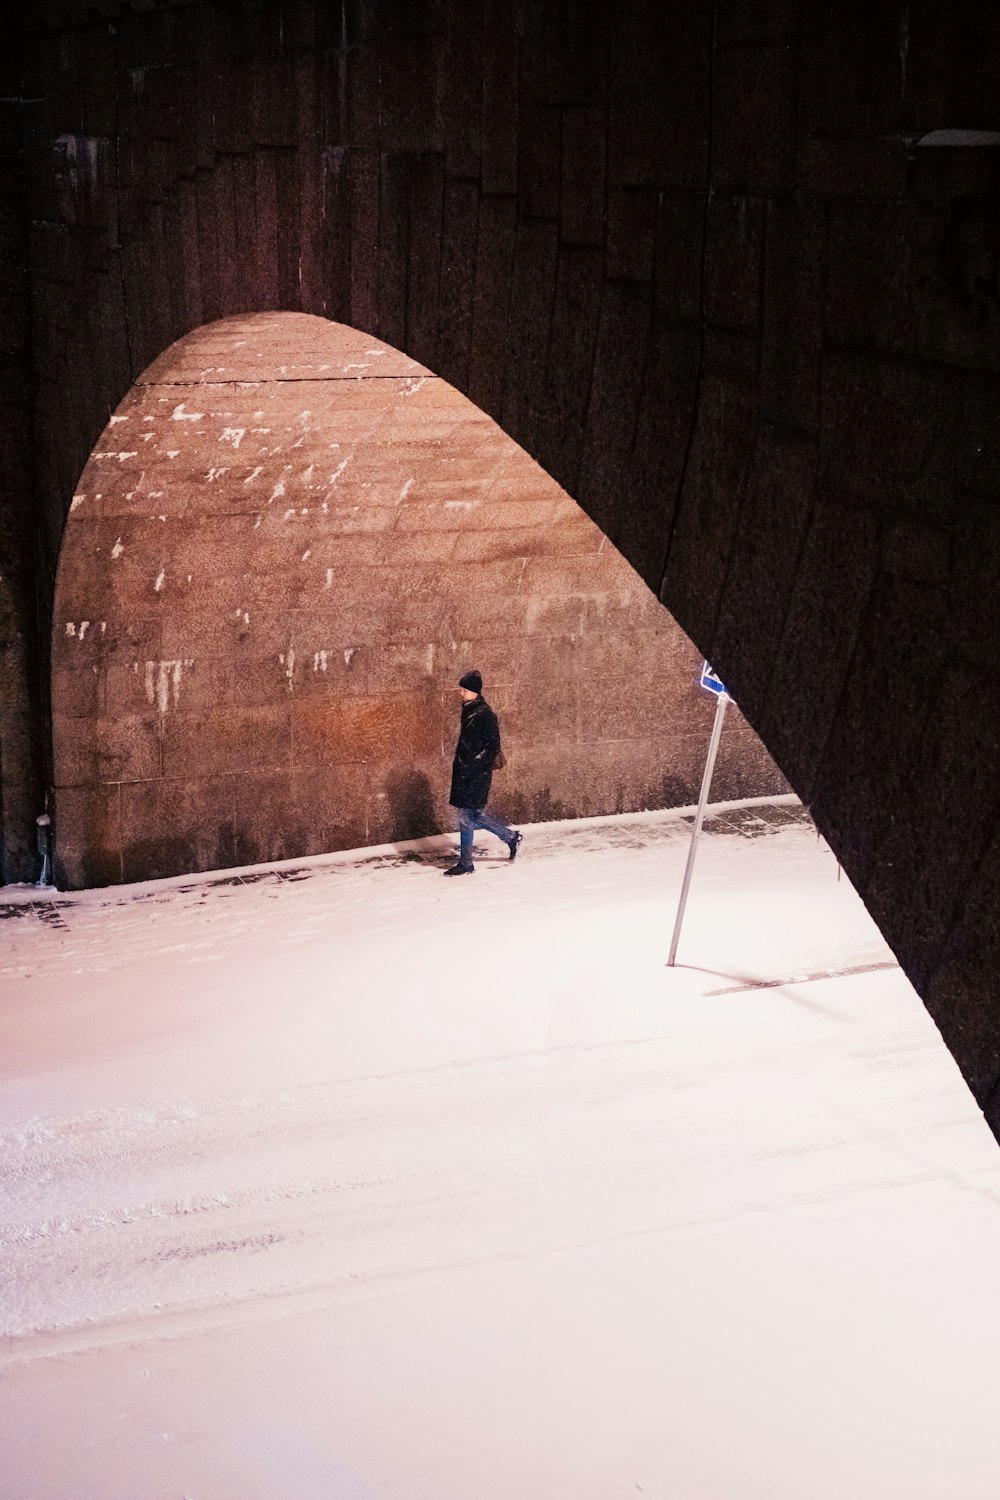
(478, 744)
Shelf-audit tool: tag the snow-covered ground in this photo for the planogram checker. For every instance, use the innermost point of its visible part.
(346, 1182)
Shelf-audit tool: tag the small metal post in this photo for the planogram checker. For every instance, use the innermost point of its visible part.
(706, 782)
(44, 837)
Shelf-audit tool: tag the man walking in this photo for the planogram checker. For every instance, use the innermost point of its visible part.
(475, 756)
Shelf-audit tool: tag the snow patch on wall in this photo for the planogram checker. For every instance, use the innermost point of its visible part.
(163, 682)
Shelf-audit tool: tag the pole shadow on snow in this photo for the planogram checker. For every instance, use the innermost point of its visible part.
(744, 984)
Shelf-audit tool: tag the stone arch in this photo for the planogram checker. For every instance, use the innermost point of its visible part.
(288, 543)
(728, 274)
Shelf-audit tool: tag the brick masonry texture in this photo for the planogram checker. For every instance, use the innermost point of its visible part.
(288, 544)
(698, 261)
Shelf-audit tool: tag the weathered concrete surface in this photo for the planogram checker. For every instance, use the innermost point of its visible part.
(21, 775)
(695, 259)
(289, 543)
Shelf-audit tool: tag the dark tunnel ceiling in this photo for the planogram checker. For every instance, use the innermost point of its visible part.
(51, 14)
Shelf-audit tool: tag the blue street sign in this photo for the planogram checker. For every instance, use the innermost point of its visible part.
(709, 681)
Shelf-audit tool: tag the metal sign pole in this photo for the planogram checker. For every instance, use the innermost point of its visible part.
(706, 782)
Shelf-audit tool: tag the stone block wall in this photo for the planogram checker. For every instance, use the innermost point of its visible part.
(289, 543)
(21, 759)
(727, 272)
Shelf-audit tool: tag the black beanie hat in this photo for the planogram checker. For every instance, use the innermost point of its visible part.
(473, 681)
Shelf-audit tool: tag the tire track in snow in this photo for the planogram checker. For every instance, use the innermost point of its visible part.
(127, 1214)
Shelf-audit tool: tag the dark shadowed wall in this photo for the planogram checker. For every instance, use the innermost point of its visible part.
(727, 271)
(287, 546)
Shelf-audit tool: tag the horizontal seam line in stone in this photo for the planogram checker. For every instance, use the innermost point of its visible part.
(278, 380)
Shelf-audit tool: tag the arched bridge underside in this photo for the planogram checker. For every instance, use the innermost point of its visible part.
(727, 272)
(288, 544)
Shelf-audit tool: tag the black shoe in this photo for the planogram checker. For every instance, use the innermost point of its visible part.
(460, 869)
(514, 844)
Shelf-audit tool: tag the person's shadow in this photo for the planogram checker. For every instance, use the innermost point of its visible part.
(416, 829)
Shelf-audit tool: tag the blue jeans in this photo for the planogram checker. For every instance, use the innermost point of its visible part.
(471, 818)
